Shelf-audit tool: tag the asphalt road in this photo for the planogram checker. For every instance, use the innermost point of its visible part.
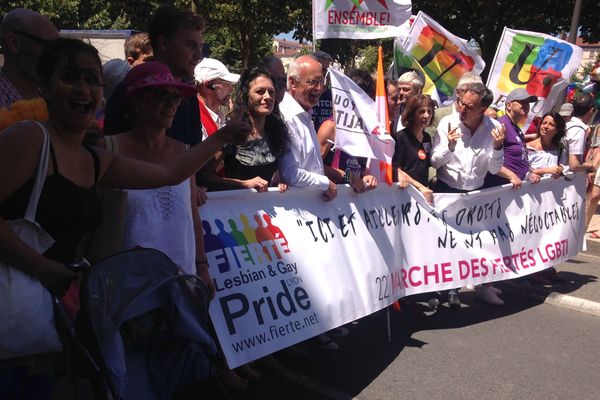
(524, 350)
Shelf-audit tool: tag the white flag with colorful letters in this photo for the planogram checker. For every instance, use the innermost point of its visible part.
(536, 62)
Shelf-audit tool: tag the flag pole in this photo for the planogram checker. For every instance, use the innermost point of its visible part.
(389, 325)
(314, 44)
(385, 170)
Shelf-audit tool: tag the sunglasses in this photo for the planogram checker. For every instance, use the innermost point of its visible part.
(164, 96)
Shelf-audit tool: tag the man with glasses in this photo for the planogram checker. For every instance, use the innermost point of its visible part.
(441, 112)
(466, 147)
(215, 84)
(302, 165)
(24, 35)
(468, 144)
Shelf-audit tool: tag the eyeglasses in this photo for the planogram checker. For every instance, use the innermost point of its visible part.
(468, 107)
(315, 82)
(164, 96)
(38, 40)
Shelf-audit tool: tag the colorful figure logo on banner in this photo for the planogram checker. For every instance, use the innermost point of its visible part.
(249, 247)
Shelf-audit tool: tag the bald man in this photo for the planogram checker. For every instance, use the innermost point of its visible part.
(24, 36)
(302, 165)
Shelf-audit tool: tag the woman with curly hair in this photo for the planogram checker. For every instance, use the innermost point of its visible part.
(254, 164)
(547, 155)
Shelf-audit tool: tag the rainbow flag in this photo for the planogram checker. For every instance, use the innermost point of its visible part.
(443, 56)
(539, 63)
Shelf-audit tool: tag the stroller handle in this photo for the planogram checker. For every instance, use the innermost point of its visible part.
(80, 265)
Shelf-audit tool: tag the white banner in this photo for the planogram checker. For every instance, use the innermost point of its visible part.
(358, 132)
(359, 19)
(443, 56)
(290, 266)
(539, 63)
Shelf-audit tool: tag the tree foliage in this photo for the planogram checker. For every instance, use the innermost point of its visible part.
(240, 31)
(249, 25)
(95, 14)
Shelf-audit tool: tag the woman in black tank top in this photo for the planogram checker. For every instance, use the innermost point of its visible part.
(71, 83)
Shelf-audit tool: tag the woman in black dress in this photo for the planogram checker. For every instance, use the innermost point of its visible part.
(254, 164)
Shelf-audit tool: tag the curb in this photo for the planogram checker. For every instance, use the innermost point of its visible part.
(555, 299)
(593, 246)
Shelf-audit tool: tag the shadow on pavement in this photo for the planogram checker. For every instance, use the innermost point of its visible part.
(366, 352)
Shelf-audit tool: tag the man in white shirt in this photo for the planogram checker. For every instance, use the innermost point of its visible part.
(441, 112)
(302, 165)
(468, 145)
(578, 130)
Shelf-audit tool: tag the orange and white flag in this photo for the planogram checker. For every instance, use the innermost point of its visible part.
(358, 130)
(385, 168)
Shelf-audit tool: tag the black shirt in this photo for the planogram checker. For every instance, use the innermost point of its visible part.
(412, 156)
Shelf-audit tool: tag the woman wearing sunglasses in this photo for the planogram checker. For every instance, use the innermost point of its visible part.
(163, 218)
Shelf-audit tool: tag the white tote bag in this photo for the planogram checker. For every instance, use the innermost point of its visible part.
(26, 309)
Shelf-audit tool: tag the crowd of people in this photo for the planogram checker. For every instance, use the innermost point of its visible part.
(166, 125)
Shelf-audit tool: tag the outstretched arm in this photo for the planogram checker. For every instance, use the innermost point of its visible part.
(122, 172)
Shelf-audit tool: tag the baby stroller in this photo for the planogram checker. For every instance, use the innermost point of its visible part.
(145, 323)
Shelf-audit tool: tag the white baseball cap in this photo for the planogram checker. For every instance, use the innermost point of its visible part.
(210, 69)
(566, 110)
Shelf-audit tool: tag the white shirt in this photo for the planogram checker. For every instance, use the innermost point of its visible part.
(301, 165)
(215, 117)
(162, 219)
(473, 157)
(574, 139)
(542, 159)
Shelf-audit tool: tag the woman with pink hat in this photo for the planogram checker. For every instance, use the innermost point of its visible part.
(164, 218)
